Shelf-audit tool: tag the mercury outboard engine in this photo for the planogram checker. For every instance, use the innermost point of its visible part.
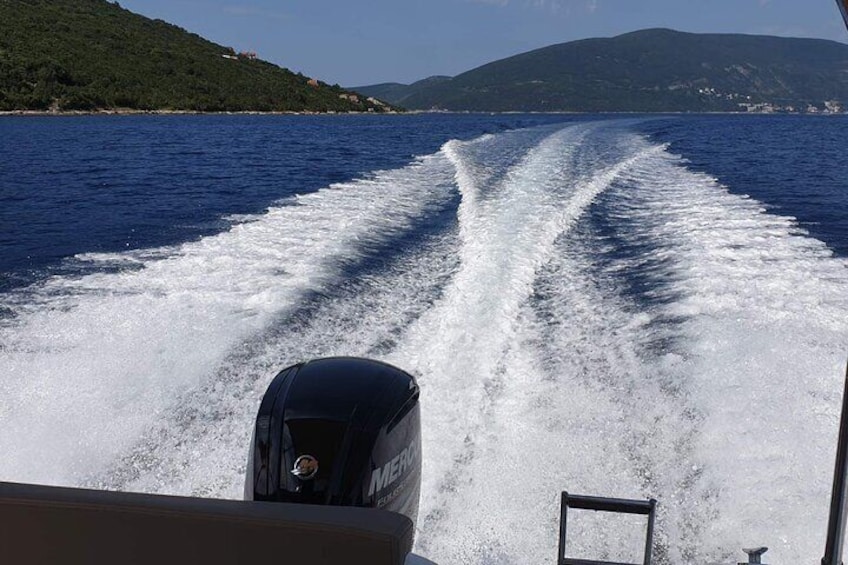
(339, 431)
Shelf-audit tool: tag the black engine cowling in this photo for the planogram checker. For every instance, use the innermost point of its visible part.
(339, 431)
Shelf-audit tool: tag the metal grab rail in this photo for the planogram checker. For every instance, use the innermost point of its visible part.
(839, 495)
(601, 504)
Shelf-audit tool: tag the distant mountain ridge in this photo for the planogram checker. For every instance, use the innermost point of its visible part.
(397, 92)
(654, 70)
(94, 55)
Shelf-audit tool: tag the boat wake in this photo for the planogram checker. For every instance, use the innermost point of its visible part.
(582, 311)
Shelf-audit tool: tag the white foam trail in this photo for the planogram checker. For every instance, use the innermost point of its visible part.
(90, 363)
(199, 448)
(465, 347)
(767, 321)
(541, 371)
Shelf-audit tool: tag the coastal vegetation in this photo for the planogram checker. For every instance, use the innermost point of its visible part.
(63, 55)
(90, 55)
(656, 70)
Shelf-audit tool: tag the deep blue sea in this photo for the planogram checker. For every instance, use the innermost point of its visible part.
(631, 306)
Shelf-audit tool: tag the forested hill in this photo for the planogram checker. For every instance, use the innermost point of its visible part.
(93, 54)
(654, 70)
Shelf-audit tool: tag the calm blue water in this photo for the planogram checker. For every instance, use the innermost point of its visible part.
(623, 306)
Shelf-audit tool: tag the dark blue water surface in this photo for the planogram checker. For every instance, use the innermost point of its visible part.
(795, 165)
(104, 183)
(70, 185)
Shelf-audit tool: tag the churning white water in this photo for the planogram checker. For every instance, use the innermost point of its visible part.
(582, 312)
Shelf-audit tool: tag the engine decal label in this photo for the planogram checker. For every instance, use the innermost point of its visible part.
(386, 475)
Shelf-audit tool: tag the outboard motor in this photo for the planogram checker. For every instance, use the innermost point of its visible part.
(339, 431)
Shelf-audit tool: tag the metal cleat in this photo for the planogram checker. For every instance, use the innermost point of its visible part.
(754, 555)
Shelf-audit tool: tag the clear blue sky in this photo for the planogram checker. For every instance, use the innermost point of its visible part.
(359, 43)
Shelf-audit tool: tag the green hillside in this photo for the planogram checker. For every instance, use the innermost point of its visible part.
(652, 71)
(93, 54)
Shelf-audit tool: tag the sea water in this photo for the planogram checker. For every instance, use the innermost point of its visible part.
(633, 307)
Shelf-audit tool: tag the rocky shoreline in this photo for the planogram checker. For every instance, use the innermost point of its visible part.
(131, 112)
